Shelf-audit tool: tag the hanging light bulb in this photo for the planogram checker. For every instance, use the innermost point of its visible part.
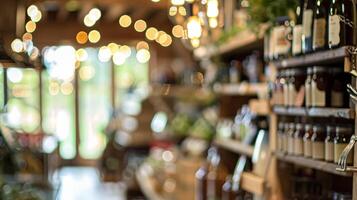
(212, 13)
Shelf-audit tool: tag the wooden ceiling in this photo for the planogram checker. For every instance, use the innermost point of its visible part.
(62, 19)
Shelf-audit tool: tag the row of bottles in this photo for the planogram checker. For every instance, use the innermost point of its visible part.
(317, 25)
(214, 182)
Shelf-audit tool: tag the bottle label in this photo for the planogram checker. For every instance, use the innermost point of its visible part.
(318, 150)
(292, 94)
(338, 149)
(290, 145)
(282, 43)
(307, 93)
(319, 33)
(336, 99)
(329, 150)
(318, 97)
(307, 148)
(307, 22)
(334, 30)
(297, 34)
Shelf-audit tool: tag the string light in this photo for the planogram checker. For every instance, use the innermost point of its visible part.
(178, 2)
(178, 31)
(113, 47)
(104, 54)
(151, 33)
(95, 14)
(82, 37)
(125, 21)
(32, 11)
(140, 25)
(125, 50)
(94, 36)
(17, 45)
(119, 58)
(168, 41)
(81, 55)
(143, 56)
(142, 45)
(26, 36)
(173, 11)
(30, 26)
(88, 22)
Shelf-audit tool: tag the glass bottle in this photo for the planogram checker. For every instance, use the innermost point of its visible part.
(343, 136)
(320, 26)
(201, 177)
(297, 30)
(298, 139)
(337, 28)
(285, 138)
(216, 177)
(308, 87)
(307, 24)
(320, 87)
(339, 96)
(290, 135)
(307, 141)
(318, 142)
(329, 143)
(280, 136)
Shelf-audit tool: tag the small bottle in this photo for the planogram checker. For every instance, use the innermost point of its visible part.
(298, 140)
(286, 88)
(291, 138)
(329, 143)
(201, 177)
(320, 87)
(227, 189)
(216, 177)
(343, 136)
(308, 87)
(307, 141)
(285, 138)
(318, 142)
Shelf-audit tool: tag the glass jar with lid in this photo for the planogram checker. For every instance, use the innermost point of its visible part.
(296, 83)
(308, 87)
(318, 142)
(298, 139)
(329, 143)
(307, 141)
(291, 138)
(342, 138)
(320, 87)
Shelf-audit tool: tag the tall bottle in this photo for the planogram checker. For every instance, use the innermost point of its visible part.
(339, 24)
(201, 177)
(307, 23)
(319, 41)
(297, 30)
(216, 177)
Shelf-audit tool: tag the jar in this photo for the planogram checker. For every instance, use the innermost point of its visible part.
(339, 97)
(280, 136)
(298, 140)
(329, 143)
(308, 87)
(296, 89)
(320, 87)
(286, 87)
(290, 135)
(285, 137)
(343, 136)
(318, 142)
(307, 141)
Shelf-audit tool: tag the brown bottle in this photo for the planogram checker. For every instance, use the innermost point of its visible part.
(216, 177)
(201, 177)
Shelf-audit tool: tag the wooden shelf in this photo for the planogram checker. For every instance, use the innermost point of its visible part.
(323, 57)
(146, 184)
(311, 163)
(314, 112)
(244, 42)
(188, 93)
(243, 89)
(253, 183)
(235, 146)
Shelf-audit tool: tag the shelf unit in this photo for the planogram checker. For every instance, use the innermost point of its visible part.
(315, 112)
(318, 58)
(311, 163)
(234, 146)
(243, 89)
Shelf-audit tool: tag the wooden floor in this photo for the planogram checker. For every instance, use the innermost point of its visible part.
(79, 183)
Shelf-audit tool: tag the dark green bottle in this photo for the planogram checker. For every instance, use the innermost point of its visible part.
(319, 41)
